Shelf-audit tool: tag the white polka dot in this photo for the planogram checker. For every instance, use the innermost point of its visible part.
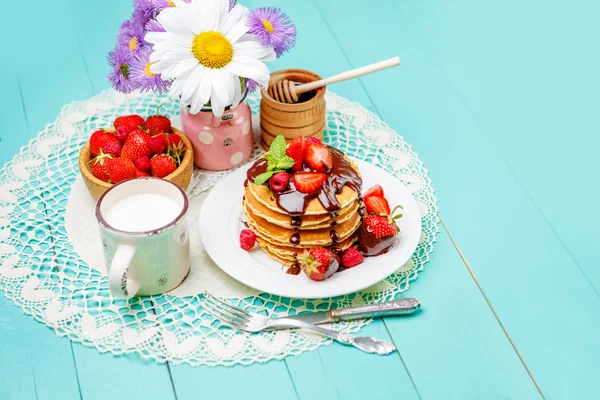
(236, 158)
(246, 128)
(206, 137)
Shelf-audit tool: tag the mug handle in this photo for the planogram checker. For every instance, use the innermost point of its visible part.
(119, 282)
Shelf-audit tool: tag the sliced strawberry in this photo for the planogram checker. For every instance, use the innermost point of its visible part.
(296, 152)
(374, 191)
(318, 157)
(308, 182)
(377, 205)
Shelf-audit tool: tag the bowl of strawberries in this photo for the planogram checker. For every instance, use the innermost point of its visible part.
(135, 147)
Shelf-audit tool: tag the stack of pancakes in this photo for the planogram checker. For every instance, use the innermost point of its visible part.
(275, 228)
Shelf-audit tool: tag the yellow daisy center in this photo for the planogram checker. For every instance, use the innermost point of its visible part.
(133, 43)
(268, 26)
(169, 2)
(212, 49)
(147, 70)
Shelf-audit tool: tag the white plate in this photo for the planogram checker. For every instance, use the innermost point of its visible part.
(220, 226)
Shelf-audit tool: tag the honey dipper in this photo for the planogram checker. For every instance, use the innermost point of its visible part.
(285, 91)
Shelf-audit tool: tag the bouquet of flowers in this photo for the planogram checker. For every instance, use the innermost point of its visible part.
(205, 52)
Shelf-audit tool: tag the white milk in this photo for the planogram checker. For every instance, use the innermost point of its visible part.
(142, 212)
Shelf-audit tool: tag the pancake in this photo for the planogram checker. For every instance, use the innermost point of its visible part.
(264, 195)
(288, 254)
(307, 238)
(306, 221)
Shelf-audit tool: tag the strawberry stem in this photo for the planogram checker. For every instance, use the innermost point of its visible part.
(158, 108)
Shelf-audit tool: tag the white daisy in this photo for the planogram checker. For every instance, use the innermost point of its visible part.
(205, 50)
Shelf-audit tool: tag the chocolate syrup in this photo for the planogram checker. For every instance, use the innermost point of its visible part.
(370, 246)
(295, 239)
(246, 183)
(245, 223)
(335, 237)
(296, 221)
(295, 202)
(333, 224)
(361, 211)
(293, 269)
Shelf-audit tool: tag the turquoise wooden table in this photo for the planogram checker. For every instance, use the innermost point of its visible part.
(500, 99)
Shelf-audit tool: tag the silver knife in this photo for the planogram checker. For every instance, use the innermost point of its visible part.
(402, 306)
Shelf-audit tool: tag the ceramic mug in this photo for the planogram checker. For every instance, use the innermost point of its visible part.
(145, 236)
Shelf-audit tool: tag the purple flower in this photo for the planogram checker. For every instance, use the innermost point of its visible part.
(119, 75)
(251, 85)
(131, 35)
(272, 28)
(231, 4)
(141, 75)
(153, 26)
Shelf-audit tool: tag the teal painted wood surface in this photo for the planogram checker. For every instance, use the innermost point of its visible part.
(501, 105)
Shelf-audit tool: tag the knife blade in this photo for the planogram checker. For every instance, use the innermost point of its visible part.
(402, 306)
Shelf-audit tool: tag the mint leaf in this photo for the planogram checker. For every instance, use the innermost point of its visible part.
(277, 149)
(262, 178)
(269, 158)
(285, 163)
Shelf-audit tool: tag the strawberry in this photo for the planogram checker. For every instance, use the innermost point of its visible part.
(141, 174)
(121, 133)
(97, 134)
(162, 165)
(374, 191)
(279, 182)
(319, 263)
(382, 226)
(136, 145)
(318, 157)
(247, 239)
(105, 142)
(98, 166)
(377, 205)
(120, 169)
(308, 182)
(143, 163)
(176, 147)
(158, 144)
(352, 258)
(312, 139)
(129, 122)
(158, 124)
(295, 151)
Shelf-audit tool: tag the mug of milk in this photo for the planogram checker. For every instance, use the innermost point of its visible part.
(145, 236)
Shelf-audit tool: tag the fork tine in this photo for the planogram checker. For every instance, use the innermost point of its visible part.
(224, 310)
(222, 320)
(244, 312)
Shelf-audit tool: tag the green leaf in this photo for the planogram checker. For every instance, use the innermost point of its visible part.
(271, 167)
(269, 158)
(285, 163)
(398, 216)
(262, 178)
(277, 149)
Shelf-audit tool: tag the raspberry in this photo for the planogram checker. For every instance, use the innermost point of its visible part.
(279, 182)
(143, 163)
(122, 133)
(352, 258)
(247, 239)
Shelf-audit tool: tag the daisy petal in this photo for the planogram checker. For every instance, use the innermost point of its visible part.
(179, 68)
(172, 22)
(218, 106)
(193, 83)
(253, 49)
(222, 86)
(235, 15)
(237, 31)
(247, 67)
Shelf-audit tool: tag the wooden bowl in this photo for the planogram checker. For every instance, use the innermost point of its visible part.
(305, 118)
(181, 176)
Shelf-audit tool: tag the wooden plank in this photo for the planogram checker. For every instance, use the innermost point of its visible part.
(546, 133)
(257, 381)
(475, 184)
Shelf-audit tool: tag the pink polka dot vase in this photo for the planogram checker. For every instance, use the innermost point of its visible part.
(219, 142)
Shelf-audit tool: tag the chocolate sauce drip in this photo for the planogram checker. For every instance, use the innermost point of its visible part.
(335, 237)
(245, 223)
(295, 202)
(296, 221)
(295, 239)
(361, 211)
(333, 224)
(370, 245)
(293, 269)
(246, 183)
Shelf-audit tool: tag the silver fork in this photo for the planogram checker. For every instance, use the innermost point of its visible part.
(237, 318)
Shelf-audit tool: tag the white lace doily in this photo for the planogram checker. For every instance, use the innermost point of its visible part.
(51, 267)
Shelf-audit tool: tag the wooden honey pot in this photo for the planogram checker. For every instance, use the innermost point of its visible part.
(304, 118)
